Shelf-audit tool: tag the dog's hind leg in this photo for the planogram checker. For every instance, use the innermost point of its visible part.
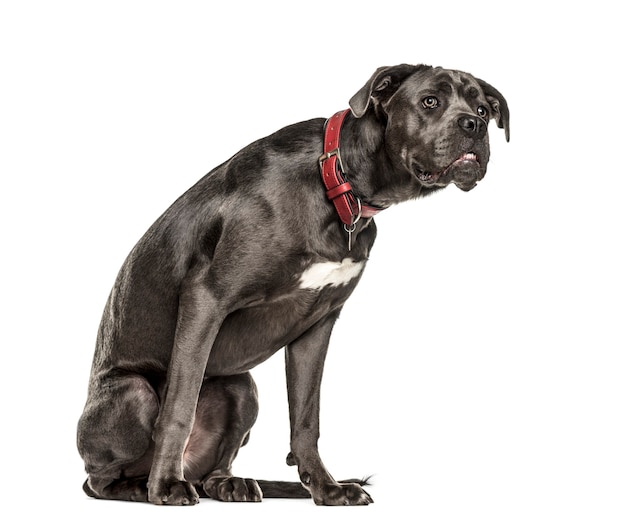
(227, 409)
(115, 437)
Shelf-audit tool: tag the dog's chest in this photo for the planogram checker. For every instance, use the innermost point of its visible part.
(320, 275)
(251, 335)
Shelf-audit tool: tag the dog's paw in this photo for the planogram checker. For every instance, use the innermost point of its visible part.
(231, 489)
(343, 494)
(172, 492)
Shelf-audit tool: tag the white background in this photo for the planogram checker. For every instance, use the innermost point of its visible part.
(478, 371)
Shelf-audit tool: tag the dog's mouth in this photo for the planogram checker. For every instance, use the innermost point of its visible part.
(464, 171)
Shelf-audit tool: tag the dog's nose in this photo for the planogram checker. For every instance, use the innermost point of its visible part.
(472, 126)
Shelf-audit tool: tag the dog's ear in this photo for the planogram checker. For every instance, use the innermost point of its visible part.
(380, 87)
(498, 105)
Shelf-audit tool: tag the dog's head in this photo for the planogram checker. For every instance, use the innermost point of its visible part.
(435, 121)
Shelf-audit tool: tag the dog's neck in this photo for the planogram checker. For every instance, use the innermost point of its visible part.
(368, 166)
(368, 181)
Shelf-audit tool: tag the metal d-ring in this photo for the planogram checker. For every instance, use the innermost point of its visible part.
(351, 228)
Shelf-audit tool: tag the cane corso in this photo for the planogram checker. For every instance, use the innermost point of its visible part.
(261, 254)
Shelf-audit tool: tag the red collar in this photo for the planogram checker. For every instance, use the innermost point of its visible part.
(349, 207)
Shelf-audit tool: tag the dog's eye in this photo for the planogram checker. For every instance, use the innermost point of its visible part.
(430, 102)
(482, 111)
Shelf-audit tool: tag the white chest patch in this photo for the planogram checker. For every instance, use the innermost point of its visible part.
(323, 274)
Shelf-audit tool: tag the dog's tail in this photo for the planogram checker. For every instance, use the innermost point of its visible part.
(289, 489)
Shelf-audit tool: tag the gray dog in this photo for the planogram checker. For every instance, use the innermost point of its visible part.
(261, 254)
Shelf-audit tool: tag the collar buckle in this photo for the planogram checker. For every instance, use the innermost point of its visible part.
(330, 154)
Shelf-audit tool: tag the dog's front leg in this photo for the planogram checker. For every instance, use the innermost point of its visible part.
(305, 363)
(198, 324)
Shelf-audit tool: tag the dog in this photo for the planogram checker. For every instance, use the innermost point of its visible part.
(260, 255)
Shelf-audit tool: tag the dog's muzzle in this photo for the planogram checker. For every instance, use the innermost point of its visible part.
(464, 172)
